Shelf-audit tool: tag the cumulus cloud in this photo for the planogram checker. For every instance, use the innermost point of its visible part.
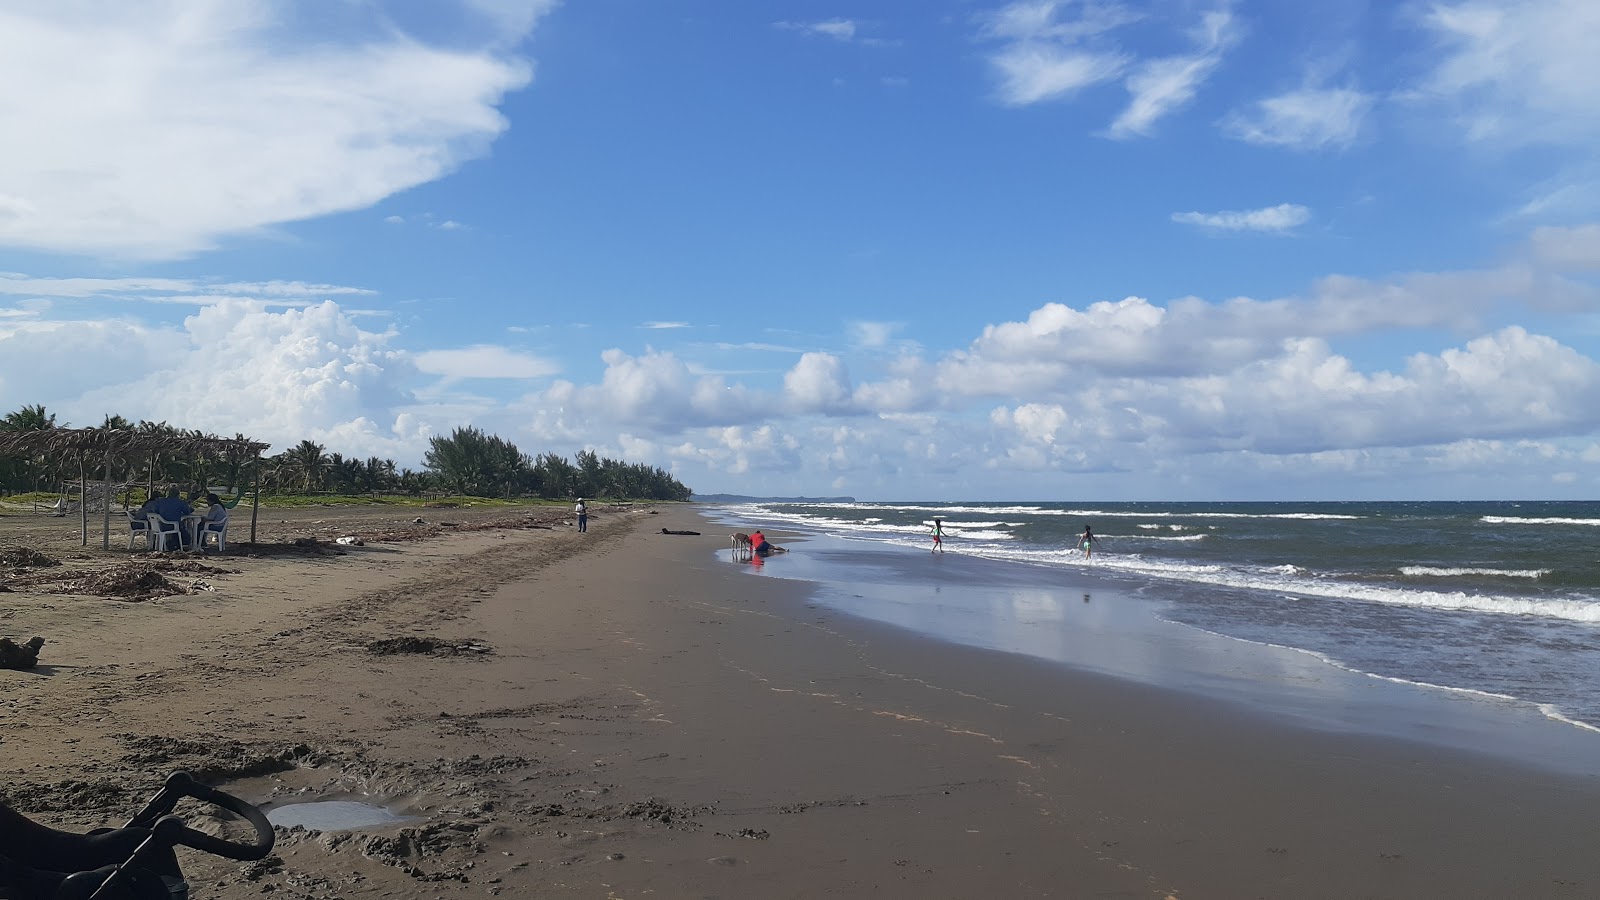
(237, 366)
(1310, 118)
(655, 392)
(1281, 218)
(818, 383)
(224, 122)
(1302, 386)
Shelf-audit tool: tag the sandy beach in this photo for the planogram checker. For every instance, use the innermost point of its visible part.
(628, 713)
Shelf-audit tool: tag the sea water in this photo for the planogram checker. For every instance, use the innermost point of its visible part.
(1494, 600)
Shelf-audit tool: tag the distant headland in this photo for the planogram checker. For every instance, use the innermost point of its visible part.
(740, 498)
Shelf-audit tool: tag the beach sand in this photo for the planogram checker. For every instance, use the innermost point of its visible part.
(628, 713)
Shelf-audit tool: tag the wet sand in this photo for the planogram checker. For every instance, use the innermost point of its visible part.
(628, 713)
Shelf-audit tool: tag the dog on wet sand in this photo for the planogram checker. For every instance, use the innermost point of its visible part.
(741, 544)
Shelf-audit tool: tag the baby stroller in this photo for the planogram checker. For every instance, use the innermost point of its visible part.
(135, 862)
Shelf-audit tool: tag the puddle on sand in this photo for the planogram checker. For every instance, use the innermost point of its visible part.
(334, 815)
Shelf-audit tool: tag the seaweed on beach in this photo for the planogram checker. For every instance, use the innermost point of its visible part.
(131, 582)
(19, 557)
(210, 758)
(145, 579)
(424, 645)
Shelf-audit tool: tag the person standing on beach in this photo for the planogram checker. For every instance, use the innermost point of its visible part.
(583, 516)
(1087, 540)
(938, 536)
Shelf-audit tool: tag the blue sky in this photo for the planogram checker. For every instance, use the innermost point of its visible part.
(940, 249)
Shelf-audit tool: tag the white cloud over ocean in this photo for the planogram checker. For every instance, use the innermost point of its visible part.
(1178, 390)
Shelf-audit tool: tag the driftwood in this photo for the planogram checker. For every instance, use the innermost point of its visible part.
(669, 531)
(23, 657)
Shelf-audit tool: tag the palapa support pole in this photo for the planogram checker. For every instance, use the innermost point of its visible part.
(255, 497)
(83, 500)
(105, 525)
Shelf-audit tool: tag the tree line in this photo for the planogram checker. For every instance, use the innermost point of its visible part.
(468, 462)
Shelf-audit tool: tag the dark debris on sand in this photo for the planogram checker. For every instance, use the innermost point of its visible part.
(19, 557)
(425, 645)
(23, 656)
(144, 579)
(209, 758)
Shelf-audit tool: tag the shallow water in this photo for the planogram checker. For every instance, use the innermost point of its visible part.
(335, 815)
(1103, 620)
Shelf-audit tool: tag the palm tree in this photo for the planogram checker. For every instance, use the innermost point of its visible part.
(29, 418)
(30, 472)
(307, 459)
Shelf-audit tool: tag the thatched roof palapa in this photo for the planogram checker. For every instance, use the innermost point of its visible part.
(106, 442)
(122, 440)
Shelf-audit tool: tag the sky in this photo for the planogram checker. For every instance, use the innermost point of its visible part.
(899, 250)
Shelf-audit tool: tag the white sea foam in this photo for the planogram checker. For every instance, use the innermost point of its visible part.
(1440, 572)
(1147, 526)
(1301, 583)
(1548, 710)
(978, 534)
(1168, 537)
(1521, 520)
(1131, 514)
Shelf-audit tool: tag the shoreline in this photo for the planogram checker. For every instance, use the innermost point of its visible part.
(884, 583)
(651, 720)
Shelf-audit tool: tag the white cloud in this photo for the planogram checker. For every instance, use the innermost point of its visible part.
(873, 335)
(1232, 394)
(1031, 73)
(1568, 249)
(838, 29)
(1310, 118)
(279, 376)
(484, 361)
(1281, 218)
(664, 326)
(222, 123)
(1160, 86)
(818, 383)
(1043, 57)
(1518, 71)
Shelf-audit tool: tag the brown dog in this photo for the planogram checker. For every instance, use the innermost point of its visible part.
(741, 544)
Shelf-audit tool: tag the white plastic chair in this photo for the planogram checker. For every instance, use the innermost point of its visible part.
(138, 526)
(158, 529)
(218, 530)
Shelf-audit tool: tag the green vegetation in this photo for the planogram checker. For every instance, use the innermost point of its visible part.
(468, 466)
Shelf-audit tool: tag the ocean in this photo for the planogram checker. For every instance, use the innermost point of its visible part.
(1493, 601)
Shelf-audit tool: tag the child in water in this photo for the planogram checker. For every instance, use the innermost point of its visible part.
(1087, 540)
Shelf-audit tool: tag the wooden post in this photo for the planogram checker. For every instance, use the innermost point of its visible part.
(105, 529)
(255, 499)
(83, 501)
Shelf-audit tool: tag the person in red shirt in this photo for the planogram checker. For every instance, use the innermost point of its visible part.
(760, 546)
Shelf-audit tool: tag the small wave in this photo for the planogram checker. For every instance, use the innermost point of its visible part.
(1435, 571)
(978, 534)
(1548, 710)
(1169, 537)
(1523, 520)
(1287, 569)
(1158, 527)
